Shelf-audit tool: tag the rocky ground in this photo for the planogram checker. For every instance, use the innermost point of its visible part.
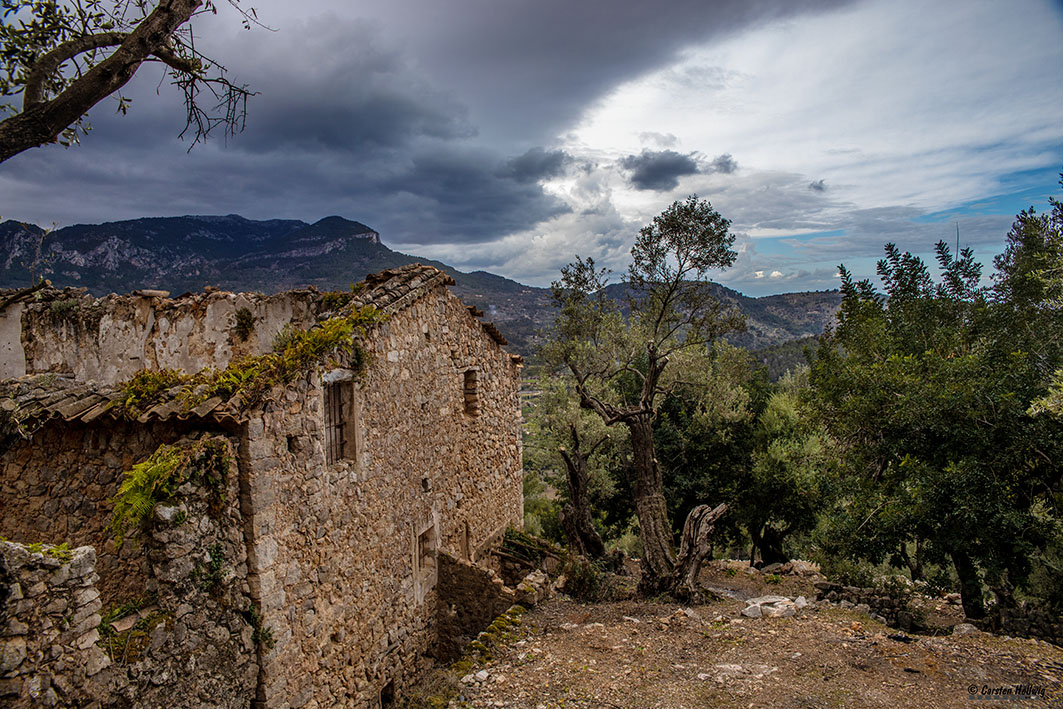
(658, 654)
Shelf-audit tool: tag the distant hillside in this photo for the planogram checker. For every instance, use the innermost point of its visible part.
(181, 254)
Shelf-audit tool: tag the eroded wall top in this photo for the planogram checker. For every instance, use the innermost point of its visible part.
(107, 340)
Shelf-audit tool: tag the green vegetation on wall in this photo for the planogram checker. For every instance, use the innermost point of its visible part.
(251, 377)
(205, 462)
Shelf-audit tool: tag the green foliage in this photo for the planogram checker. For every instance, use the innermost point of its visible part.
(931, 388)
(785, 357)
(251, 377)
(156, 480)
(59, 552)
(557, 427)
(60, 309)
(129, 646)
(847, 572)
(45, 46)
(260, 635)
(213, 576)
(541, 508)
(1051, 404)
(622, 365)
(586, 580)
(147, 388)
(243, 324)
(704, 431)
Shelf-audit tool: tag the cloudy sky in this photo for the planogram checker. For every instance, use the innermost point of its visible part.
(512, 135)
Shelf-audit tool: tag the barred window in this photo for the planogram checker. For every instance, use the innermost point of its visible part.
(341, 422)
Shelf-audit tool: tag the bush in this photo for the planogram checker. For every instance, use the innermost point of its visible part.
(585, 580)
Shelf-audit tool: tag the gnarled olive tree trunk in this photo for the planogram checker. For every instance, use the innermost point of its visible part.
(576, 515)
(662, 570)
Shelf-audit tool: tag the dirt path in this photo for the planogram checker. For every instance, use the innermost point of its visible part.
(636, 654)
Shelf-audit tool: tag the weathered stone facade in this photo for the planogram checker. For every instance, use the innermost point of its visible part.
(107, 340)
(58, 486)
(190, 642)
(351, 481)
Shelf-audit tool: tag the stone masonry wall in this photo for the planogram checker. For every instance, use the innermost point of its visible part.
(471, 597)
(57, 487)
(346, 586)
(109, 339)
(191, 643)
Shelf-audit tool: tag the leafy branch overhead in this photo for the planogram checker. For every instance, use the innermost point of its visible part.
(63, 58)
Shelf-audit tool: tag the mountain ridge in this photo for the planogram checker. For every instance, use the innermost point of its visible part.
(186, 253)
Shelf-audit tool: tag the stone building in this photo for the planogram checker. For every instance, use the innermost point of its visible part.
(304, 571)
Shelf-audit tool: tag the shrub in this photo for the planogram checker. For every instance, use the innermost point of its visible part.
(244, 324)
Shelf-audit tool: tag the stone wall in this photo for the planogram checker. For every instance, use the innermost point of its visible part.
(57, 486)
(1037, 623)
(1024, 622)
(893, 609)
(344, 555)
(107, 340)
(190, 641)
(49, 613)
(472, 596)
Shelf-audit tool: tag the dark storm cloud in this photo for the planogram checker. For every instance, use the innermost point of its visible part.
(353, 93)
(534, 66)
(818, 186)
(658, 170)
(461, 197)
(404, 121)
(724, 163)
(536, 164)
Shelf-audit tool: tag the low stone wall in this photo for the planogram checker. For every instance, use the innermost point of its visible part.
(1024, 623)
(190, 638)
(48, 627)
(58, 485)
(471, 597)
(894, 610)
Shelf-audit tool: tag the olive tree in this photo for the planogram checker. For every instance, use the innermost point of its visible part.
(622, 364)
(64, 57)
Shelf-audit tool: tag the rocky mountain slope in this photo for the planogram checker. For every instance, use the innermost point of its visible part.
(181, 254)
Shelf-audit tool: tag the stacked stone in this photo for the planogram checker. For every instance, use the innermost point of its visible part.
(471, 597)
(889, 609)
(1035, 623)
(48, 625)
(343, 555)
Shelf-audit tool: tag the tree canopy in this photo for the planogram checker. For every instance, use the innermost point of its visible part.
(931, 388)
(64, 57)
(621, 364)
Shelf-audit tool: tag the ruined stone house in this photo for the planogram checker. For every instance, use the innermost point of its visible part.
(307, 572)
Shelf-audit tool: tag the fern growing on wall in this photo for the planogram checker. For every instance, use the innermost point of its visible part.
(157, 479)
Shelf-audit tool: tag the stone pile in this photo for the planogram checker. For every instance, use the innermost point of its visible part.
(773, 606)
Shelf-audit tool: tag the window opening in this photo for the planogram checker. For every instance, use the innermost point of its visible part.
(333, 422)
(341, 422)
(471, 392)
(387, 694)
(424, 561)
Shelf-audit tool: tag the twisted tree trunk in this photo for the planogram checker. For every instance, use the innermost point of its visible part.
(658, 558)
(576, 516)
(695, 547)
(970, 584)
